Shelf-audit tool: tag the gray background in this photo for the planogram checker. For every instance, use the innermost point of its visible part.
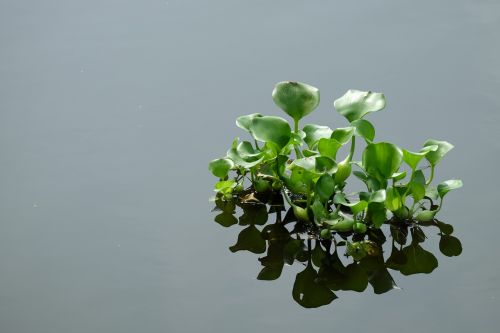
(110, 111)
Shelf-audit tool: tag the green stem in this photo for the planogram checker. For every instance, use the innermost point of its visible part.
(298, 153)
(256, 144)
(432, 175)
(353, 146)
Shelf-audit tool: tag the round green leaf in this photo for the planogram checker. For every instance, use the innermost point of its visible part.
(364, 129)
(316, 132)
(355, 104)
(448, 185)
(245, 122)
(435, 156)
(295, 98)
(220, 167)
(273, 129)
(382, 159)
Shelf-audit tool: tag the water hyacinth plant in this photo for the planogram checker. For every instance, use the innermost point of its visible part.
(302, 165)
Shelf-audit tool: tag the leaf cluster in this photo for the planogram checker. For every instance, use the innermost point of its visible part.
(303, 164)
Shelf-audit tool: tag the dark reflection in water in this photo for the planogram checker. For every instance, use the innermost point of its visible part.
(333, 262)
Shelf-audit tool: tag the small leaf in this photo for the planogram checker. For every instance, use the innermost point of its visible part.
(412, 159)
(328, 147)
(364, 129)
(220, 167)
(343, 134)
(382, 159)
(325, 186)
(356, 104)
(398, 176)
(435, 156)
(295, 98)
(448, 185)
(316, 132)
(273, 129)
(245, 122)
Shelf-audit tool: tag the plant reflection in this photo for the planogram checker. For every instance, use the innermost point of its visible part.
(333, 261)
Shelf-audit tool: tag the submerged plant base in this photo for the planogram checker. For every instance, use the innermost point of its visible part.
(334, 261)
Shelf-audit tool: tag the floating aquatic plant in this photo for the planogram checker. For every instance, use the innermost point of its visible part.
(303, 165)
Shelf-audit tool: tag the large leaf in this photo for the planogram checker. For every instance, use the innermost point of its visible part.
(295, 98)
(316, 132)
(435, 156)
(220, 167)
(245, 122)
(273, 129)
(356, 104)
(448, 185)
(382, 159)
(412, 159)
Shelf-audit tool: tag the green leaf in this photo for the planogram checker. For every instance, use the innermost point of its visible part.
(273, 129)
(382, 159)
(450, 246)
(356, 207)
(220, 167)
(295, 98)
(328, 147)
(325, 164)
(316, 132)
(246, 151)
(398, 175)
(417, 186)
(308, 292)
(393, 199)
(448, 185)
(250, 239)
(325, 186)
(435, 156)
(364, 129)
(356, 104)
(245, 122)
(247, 163)
(426, 215)
(412, 159)
(343, 134)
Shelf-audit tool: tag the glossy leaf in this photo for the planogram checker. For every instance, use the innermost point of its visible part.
(329, 147)
(364, 129)
(343, 134)
(393, 199)
(412, 159)
(355, 104)
(448, 185)
(220, 167)
(295, 98)
(273, 129)
(245, 122)
(316, 132)
(435, 156)
(382, 160)
(325, 187)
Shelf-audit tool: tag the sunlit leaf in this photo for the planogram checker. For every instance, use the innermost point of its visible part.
(398, 176)
(343, 134)
(295, 98)
(364, 129)
(245, 122)
(269, 128)
(355, 104)
(412, 159)
(382, 159)
(220, 167)
(426, 215)
(393, 199)
(448, 185)
(316, 132)
(435, 156)
(328, 147)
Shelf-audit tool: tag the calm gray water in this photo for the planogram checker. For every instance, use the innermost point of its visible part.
(110, 111)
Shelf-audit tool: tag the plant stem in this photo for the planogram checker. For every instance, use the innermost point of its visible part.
(353, 146)
(298, 153)
(432, 175)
